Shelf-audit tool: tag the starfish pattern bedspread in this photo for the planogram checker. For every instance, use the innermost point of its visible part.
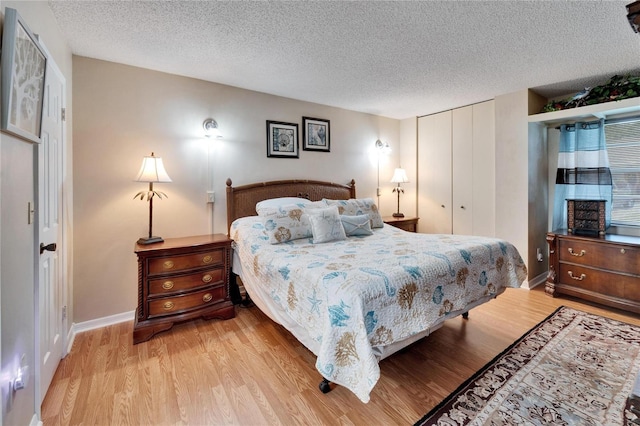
(355, 294)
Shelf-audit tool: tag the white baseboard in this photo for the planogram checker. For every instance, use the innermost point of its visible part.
(530, 284)
(35, 421)
(97, 323)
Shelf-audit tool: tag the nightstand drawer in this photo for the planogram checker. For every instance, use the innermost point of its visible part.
(176, 284)
(606, 256)
(163, 265)
(601, 282)
(186, 303)
(409, 224)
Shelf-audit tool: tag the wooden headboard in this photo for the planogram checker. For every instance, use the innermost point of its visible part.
(241, 200)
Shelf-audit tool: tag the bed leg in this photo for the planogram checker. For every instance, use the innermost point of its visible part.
(325, 386)
(246, 301)
(234, 290)
(465, 315)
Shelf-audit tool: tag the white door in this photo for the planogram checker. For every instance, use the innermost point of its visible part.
(50, 292)
(462, 170)
(434, 173)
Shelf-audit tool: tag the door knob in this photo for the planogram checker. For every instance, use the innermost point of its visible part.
(48, 247)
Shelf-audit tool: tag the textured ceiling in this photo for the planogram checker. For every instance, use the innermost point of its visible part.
(396, 59)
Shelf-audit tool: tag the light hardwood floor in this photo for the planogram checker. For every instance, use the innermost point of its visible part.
(250, 371)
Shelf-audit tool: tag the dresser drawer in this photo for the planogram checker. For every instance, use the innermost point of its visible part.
(612, 257)
(163, 265)
(168, 306)
(176, 284)
(409, 226)
(598, 281)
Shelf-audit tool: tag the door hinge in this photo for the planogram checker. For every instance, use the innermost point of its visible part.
(64, 114)
(64, 312)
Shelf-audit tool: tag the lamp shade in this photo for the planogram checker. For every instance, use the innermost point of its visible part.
(152, 170)
(399, 176)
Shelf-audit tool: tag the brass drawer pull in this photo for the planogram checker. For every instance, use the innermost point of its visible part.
(207, 298)
(580, 278)
(207, 278)
(168, 264)
(582, 253)
(207, 259)
(167, 285)
(168, 306)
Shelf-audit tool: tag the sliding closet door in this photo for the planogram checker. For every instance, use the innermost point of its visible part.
(434, 173)
(462, 146)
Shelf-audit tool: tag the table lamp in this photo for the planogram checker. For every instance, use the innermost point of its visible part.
(399, 176)
(152, 170)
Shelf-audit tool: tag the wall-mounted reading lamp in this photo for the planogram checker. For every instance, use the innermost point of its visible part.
(211, 128)
(382, 149)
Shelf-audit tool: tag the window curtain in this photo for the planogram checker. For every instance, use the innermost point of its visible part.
(583, 169)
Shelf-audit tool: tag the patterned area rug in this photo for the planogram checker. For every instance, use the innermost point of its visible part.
(573, 368)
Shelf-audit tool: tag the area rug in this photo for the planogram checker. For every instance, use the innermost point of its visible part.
(574, 368)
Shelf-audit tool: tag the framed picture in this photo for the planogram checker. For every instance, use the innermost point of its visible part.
(282, 139)
(23, 69)
(315, 134)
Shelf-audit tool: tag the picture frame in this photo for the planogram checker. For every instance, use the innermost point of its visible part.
(282, 139)
(23, 66)
(316, 134)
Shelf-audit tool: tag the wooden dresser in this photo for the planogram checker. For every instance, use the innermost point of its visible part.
(409, 224)
(605, 270)
(181, 279)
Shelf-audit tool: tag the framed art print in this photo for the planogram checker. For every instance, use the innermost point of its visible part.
(315, 134)
(23, 70)
(282, 139)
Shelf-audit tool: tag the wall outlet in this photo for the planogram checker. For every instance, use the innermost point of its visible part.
(539, 255)
(211, 196)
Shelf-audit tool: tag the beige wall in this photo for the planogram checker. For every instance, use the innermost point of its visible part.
(408, 159)
(512, 165)
(123, 113)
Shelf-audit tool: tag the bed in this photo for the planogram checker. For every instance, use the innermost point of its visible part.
(355, 301)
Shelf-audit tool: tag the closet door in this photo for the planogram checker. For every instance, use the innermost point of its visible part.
(463, 165)
(434, 173)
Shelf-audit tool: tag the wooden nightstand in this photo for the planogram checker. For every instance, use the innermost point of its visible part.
(409, 224)
(182, 279)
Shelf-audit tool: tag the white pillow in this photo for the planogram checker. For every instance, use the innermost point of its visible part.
(326, 225)
(279, 202)
(285, 223)
(359, 206)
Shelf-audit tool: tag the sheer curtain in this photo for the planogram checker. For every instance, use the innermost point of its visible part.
(583, 169)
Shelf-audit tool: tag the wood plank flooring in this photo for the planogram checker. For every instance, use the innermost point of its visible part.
(251, 371)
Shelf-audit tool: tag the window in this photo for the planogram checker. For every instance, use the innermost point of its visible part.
(623, 148)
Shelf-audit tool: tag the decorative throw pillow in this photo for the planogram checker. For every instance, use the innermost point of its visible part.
(285, 223)
(356, 225)
(359, 206)
(280, 202)
(326, 225)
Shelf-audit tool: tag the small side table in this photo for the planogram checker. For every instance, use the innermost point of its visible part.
(181, 279)
(409, 224)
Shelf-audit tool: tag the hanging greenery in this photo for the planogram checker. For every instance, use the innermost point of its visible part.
(616, 89)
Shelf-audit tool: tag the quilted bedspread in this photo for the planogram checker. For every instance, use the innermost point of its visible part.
(354, 294)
